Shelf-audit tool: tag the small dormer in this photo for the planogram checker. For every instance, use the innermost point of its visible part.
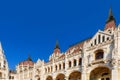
(110, 23)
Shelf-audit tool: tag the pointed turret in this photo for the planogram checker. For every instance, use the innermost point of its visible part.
(57, 48)
(29, 58)
(110, 17)
(110, 23)
(57, 45)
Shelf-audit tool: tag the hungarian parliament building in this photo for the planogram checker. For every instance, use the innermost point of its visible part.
(97, 58)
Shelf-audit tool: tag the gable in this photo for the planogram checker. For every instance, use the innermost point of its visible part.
(99, 37)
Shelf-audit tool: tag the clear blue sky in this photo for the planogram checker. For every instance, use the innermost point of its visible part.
(33, 26)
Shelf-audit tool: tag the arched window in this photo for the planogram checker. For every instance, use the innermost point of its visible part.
(75, 62)
(69, 64)
(99, 54)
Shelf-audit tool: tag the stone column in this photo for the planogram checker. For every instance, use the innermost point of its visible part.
(87, 76)
(115, 74)
(66, 77)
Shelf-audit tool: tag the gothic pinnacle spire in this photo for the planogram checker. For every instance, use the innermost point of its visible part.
(29, 58)
(57, 45)
(110, 17)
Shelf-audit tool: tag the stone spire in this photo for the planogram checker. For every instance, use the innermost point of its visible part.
(57, 45)
(57, 48)
(29, 58)
(110, 17)
(110, 23)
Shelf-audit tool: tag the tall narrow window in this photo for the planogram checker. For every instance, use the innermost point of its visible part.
(107, 38)
(63, 65)
(99, 39)
(59, 66)
(56, 67)
(75, 62)
(95, 42)
(103, 38)
(80, 61)
(69, 64)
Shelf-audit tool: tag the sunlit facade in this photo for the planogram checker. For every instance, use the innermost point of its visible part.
(97, 58)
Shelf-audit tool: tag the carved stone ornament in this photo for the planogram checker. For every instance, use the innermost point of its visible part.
(113, 62)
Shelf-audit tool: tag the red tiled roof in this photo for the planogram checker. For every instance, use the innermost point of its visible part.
(30, 63)
(77, 47)
(110, 25)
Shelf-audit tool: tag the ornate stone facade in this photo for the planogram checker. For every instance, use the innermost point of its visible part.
(97, 58)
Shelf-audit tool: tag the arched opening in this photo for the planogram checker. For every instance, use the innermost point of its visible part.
(69, 64)
(99, 38)
(59, 66)
(99, 54)
(63, 65)
(60, 77)
(49, 78)
(80, 61)
(100, 73)
(56, 67)
(75, 62)
(76, 75)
